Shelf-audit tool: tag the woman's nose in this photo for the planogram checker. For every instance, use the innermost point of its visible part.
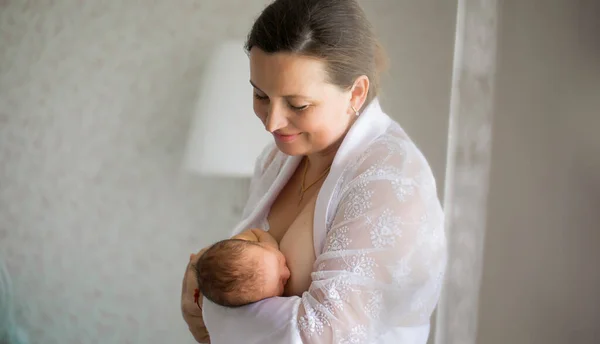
(275, 119)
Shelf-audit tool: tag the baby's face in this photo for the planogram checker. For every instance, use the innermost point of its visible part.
(274, 269)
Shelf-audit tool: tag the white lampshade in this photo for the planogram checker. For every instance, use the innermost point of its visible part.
(225, 136)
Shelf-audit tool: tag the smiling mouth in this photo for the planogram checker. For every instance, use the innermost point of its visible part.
(285, 138)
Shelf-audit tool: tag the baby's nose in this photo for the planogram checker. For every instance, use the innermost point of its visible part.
(286, 274)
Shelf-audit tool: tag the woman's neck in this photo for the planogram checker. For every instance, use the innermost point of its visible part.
(320, 161)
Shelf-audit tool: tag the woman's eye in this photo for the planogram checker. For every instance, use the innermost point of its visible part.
(259, 97)
(299, 108)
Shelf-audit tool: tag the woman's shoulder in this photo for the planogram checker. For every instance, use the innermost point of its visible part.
(391, 164)
(392, 151)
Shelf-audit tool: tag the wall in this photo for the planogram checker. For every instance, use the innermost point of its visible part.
(541, 282)
(96, 219)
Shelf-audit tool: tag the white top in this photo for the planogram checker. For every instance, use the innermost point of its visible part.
(379, 244)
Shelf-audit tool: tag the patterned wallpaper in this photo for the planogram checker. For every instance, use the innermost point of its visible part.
(96, 218)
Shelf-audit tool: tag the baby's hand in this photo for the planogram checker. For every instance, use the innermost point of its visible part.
(257, 235)
(248, 235)
(266, 238)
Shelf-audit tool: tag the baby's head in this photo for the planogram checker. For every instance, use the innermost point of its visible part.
(236, 272)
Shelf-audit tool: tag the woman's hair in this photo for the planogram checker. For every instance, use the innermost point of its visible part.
(227, 275)
(335, 31)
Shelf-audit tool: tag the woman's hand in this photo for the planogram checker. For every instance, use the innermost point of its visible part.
(190, 308)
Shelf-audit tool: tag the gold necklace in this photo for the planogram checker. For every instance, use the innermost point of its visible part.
(303, 189)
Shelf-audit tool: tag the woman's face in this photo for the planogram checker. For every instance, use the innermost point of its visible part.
(292, 98)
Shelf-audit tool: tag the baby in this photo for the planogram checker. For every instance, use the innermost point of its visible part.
(244, 269)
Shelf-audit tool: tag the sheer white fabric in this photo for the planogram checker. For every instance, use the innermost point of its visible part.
(379, 270)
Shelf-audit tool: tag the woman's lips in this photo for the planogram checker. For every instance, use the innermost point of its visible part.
(285, 138)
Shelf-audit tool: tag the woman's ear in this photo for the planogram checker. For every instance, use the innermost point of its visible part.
(359, 92)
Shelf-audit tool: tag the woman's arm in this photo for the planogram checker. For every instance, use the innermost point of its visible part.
(190, 308)
(381, 271)
(192, 313)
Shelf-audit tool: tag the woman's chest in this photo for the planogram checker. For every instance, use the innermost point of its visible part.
(293, 227)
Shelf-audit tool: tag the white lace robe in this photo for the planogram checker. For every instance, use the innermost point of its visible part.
(379, 242)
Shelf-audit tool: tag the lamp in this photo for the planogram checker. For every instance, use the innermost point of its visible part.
(225, 136)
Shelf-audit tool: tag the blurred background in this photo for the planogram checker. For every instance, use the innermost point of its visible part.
(97, 218)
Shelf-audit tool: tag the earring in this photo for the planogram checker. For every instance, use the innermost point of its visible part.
(355, 111)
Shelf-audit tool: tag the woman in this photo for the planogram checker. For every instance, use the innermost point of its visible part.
(348, 196)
